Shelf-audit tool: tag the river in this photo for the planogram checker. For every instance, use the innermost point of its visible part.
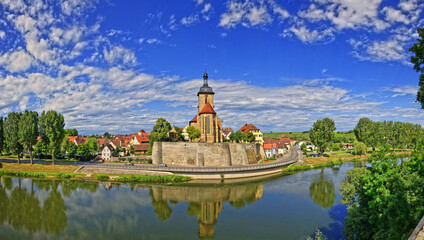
(278, 207)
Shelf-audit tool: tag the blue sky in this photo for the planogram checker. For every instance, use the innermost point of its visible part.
(117, 66)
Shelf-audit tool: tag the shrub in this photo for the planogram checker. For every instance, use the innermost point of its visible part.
(22, 174)
(101, 176)
(65, 175)
(149, 161)
(1, 165)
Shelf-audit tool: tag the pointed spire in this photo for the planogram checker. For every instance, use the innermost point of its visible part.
(205, 77)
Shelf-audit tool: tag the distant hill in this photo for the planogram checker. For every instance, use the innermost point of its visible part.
(344, 136)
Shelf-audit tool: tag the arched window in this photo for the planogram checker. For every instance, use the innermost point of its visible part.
(208, 124)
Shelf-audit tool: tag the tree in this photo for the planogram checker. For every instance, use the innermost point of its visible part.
(71, 132)
(93, 145)
(249, 137)
(193, 133)
(418, 62)
(364, 130)
(40, 148)
(159, 133)
(52, 128)
(237, 136)
(359, 148)
(1, 135)
(132, 150)
(28, 131)
(303, 148)
(322, 133)
(106, 135)
(11, 133)
(335, 146)
(88, 149)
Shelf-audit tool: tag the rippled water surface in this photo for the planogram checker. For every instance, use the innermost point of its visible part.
(279, 207)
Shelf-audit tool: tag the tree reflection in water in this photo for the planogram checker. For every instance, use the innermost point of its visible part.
(204, 201)
(322, 192)
(23, 210)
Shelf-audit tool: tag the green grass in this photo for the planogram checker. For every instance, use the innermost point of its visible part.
(22, 174)
(101, 176)
(343, 136)
(152, 178)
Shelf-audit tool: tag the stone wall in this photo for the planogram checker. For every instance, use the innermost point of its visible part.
(207, 154)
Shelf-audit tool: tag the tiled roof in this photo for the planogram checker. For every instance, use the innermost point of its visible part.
(207, 109)
(227, 131)
(141, 147)
(194, 119)
(270, 146)
(101, 141)
(142, 138)
(247, 127)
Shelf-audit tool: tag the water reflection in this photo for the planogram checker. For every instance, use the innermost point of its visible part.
(322, 192)
(204, 201)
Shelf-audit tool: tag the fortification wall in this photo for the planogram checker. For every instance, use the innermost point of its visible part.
(207, 154)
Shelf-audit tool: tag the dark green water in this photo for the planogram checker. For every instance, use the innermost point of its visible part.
(283, 207)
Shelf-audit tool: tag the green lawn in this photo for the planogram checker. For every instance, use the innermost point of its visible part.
(342, 136)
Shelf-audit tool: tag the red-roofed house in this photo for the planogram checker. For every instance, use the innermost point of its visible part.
(253, 129)
(226, 133)
(270, 149)
(141, 148)
(101, 141)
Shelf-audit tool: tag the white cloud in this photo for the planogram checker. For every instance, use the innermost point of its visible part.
(63, 37)
(14, 5)
(2, 34)
(190, 20)
(152, 40)
(119, 54)
(310, 36)
(281, 12)
(40, 49)
(405, 90)
(16, 61)
(247, 13)
(25, 23)
(379, 51)
(393, 15)
(77, 7)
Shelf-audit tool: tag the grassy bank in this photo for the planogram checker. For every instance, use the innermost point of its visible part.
(67, 172)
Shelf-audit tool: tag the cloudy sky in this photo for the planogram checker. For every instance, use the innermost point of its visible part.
(117, 66)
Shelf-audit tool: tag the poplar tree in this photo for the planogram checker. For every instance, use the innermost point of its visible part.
(322, 133)
(1, 135)
(28, 131)
(418, 62)
(11, 133)
(52, 126)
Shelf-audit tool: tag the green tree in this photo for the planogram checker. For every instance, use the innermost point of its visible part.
(84, 151)
(322, 133)
(52, 128)
(106, 135)
(93, 145)
(237, 136)
(71, 132)
(303, 148)
(159, 133)
(40, 148)
(132, 150)
(11, 133)
(364, 131)
(193, 133)
(335, 146)
(418, 62)
(359, 148)
(28, 131)
(249, 137)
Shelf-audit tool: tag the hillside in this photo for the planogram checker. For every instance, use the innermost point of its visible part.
(344, 136)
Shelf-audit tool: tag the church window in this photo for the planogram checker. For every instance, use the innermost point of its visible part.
(208, 124)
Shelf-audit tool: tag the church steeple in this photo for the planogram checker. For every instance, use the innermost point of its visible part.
(205, 88)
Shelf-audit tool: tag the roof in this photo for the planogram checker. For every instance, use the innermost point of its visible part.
(80, 141)
(142, 138)
(141, 147)
(270, 146)
(207, 109)
(71, 138)
(247, 127)
(205, 88)
(173, 130)
(116, 142)
(101, 141)
(194, 119)
(109, 147)
(227, 131)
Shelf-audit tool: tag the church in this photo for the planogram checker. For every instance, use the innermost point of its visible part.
(206, 119)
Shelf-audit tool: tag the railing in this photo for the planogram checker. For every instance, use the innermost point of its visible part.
(185, 169)
(417, 230)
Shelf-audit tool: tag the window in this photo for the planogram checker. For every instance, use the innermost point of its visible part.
(208, 124)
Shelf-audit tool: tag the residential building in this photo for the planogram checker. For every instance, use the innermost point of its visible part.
(253, 129)
(107, 152)
(270, 149)
(185, 133)
(141, 148)
(226, 133)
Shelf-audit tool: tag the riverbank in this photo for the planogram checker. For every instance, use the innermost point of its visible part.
(332, 160)
(52, 172)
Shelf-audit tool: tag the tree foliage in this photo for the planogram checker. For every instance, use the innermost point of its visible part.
(11, 133)
(364, 131)
(237, 136)
(359, 148)
(418, 61)
(249, 137)
(71, 132)
(52, 129)
(159, 133)
(193, 133)
(322, 133)
(1, 135)
(28, 131)
(385, 200)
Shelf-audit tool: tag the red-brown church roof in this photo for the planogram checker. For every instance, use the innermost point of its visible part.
(194, 119)
(207, 109)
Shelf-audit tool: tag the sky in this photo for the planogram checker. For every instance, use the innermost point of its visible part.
(118, 66)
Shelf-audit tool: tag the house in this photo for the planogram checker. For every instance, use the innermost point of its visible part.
(283, 145)
(78, 141)
(173, 134)
(253, 129)
(270, 149)
(139, 139)
(107, 152)
(101, 141)
(347, 146)
(141, 148)
(185, 133)
(226, 133)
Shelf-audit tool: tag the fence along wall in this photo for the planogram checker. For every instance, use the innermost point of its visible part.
(207, 154)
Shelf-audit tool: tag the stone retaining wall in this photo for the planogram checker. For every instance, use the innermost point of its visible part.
(207, 154)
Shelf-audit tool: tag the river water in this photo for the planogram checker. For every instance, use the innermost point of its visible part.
(278, 207)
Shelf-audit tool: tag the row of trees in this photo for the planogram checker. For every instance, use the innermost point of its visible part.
(19, 132)
(397, 134)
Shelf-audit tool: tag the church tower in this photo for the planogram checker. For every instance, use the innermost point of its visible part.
(206, 120)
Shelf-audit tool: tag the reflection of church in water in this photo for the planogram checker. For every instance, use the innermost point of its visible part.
(206, 201)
